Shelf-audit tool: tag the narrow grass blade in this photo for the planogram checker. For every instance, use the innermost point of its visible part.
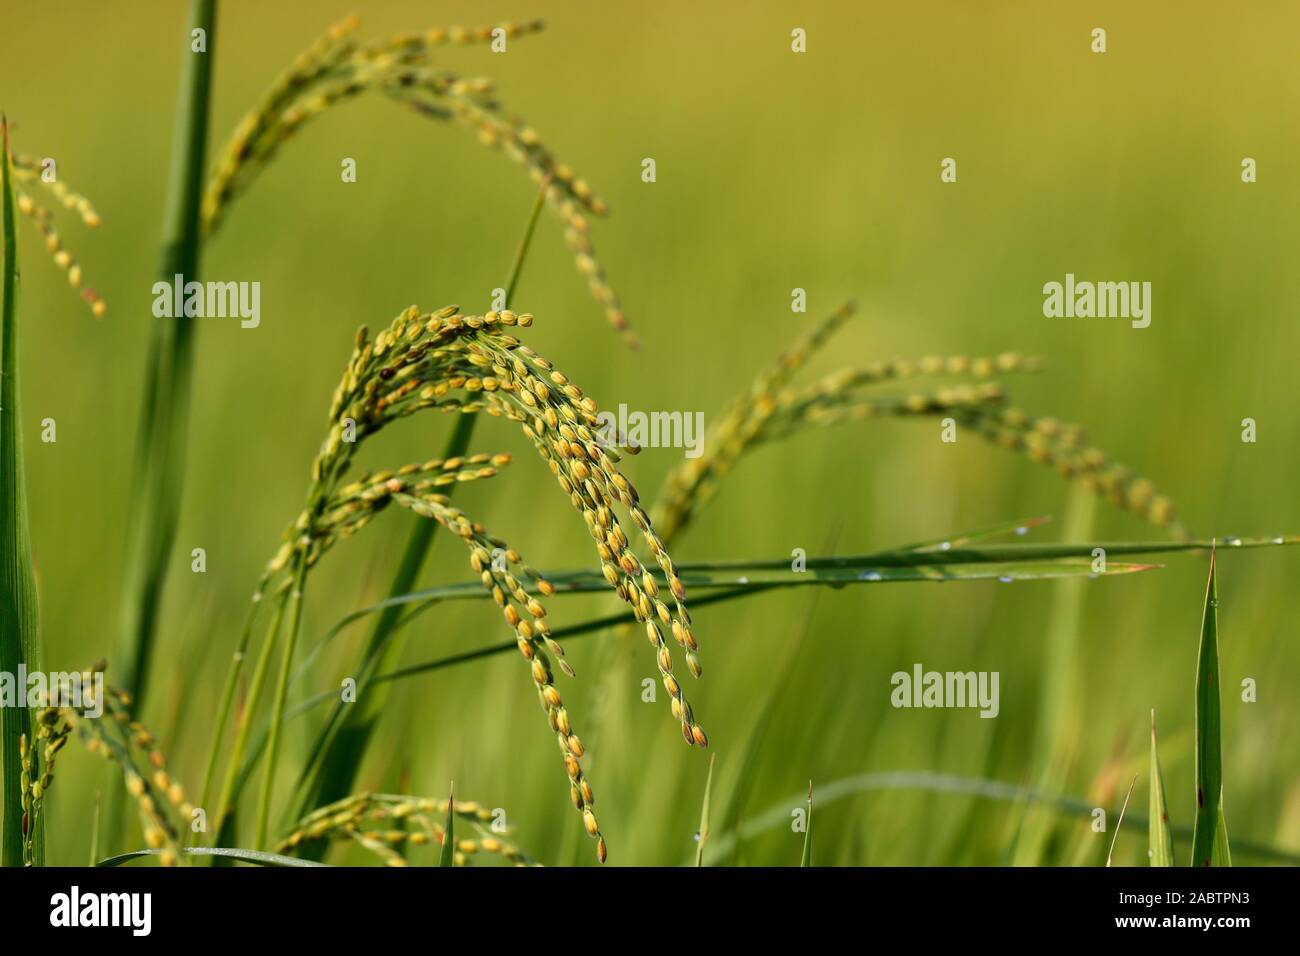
(448, 855)
(19, 634)
(1160, 839)
(232, 854)
(806, 859)
(1209, 836)
(703, 836)
(1018, 562)
(1119, 822)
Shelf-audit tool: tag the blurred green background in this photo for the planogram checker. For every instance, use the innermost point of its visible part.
(775, 170)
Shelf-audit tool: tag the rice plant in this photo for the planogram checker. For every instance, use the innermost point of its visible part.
(461, 364)
(334, 69)
(20, 644)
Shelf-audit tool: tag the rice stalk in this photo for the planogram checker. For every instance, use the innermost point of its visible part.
(460, 363)
(337, 753)
(158, 471)
(337, 68)
(374, 821)
(771, 409)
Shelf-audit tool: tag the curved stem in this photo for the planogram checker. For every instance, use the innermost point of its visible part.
(250, 708)
(277, 709)
(228, 696)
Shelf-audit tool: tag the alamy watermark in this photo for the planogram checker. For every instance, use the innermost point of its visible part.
(54, 689)
(214, 300)
(1102, 300)
(922, 688)
(653, 430)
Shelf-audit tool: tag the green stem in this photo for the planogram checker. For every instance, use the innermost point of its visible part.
(277, 709)
(228, 696)
(245, 725)
(160, 456)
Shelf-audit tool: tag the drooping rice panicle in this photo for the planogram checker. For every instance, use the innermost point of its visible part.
(375, 821)
(771, 409)
(491, 561)
(459, 363)
(27, 169)
(155, 791)
(336, 69)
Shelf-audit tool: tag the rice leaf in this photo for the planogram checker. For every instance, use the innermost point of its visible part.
(1022, 561)
(235, 854)
(1209, 835)
(1160, 839)
(703, 836)
(19, 634)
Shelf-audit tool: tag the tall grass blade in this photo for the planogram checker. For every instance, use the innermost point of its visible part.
(19, 634)
(1209, 836)
(160, 452)
(1160, 839)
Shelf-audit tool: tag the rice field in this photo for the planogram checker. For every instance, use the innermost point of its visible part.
(754, 413)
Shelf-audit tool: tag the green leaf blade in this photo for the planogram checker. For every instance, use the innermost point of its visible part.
(1209, 835)
(19, 624)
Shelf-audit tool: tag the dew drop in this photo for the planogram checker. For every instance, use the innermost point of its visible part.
(1022, 531)
(1006, 579)
(945, 546)
(1233, 540)
(870, 576)
(1279, 540)
(696, 836)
